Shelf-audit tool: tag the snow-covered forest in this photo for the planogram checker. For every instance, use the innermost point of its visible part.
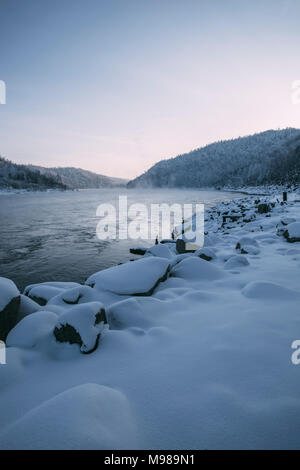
(14, 176)
(271, 157)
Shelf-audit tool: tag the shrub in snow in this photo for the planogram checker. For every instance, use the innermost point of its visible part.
(194, 268)
(236, 261)
(82, 325)
(263, 208)
(32, 329)
(9, 306)
(247, 245)
(140, 277)
(292, 232)
(88, 416)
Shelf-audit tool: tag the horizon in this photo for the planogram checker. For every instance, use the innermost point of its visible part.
(115, 88)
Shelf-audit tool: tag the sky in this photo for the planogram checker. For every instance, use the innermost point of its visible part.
(114, 86)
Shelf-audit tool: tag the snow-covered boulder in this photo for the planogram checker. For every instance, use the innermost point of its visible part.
(9, 306)
(236, 261)
(74, 296)
(134, 278)
(287, 220)
(196, 269)
(88, 416)
(264, 290)
(292, 232)
(32, 329)
(247, 245)
(206, 253)
(160, 250)
(83, 325)
(142, 312)
(43, 292)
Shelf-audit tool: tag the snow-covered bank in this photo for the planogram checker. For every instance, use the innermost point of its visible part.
(194, 354)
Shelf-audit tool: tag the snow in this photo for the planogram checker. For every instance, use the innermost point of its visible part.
(132, 278)
(88, 416)
(194, 268)
(8, 291)
(204, 362)
(83, 319)
(32, 329)
(293, 230)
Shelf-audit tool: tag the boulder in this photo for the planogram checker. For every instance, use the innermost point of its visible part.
(206, 253)
(82, 325)
(236, 261)
(292, 232)
(138, 278)
(247, 245)
(43, 292)
(9, 306)
(196, 269)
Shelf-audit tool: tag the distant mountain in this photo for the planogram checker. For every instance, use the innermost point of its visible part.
(13, 176)
(271, 157)
(76, 178)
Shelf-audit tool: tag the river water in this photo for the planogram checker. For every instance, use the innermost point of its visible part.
(51, 236)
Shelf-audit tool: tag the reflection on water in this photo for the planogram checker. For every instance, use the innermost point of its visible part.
(51, 236)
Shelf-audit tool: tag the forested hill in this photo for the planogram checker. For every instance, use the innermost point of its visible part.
(76, 178)
(14, 176)
(270, 157)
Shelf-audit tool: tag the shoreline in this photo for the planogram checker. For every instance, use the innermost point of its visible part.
(215, 326)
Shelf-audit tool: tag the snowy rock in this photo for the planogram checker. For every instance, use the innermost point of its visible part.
(137, 278)
(236, 261)
(194, 268)
(83, 325)
(206, 253)
(32, 329)
(88, 416)
(292, 232)
(287, 220)
(74, 296)
(247, 245)
(269, 291)
(161, 250)
(138, 251)
(134, 312)
(43, 292)
(9, 306)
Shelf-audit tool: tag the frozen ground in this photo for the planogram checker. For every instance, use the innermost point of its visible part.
(202, 361)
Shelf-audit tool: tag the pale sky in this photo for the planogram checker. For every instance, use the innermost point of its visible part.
(114, 86)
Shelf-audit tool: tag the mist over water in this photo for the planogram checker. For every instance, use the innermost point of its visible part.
(51, 236)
